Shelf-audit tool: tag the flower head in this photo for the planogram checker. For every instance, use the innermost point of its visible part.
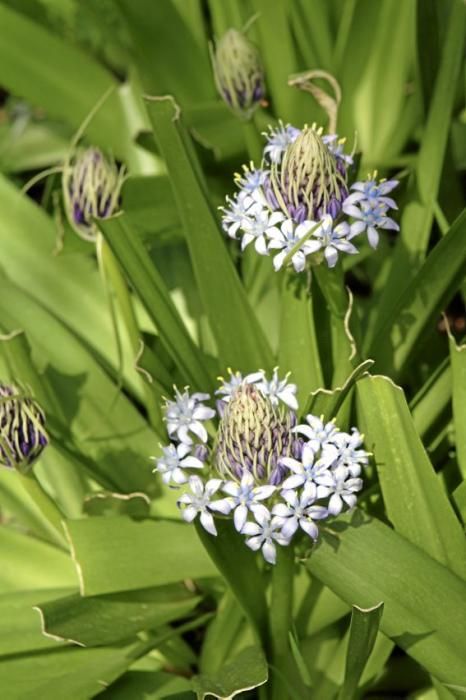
(91, 189)
(22, 429)
(272, 477)
(238, 73)
(278, 140)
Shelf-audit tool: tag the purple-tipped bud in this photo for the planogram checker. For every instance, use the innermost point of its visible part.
(253, 435)
(91, 189)
(22, 431)
(310, 181)
(238, 73)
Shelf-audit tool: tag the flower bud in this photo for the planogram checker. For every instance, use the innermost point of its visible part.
(310, 181)
(91, 188)
(252, 437)
(22, 432)
(238, 73)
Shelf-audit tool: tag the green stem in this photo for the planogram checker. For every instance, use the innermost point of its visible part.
(281, 619)
(46, 506)
(253, 141)
(120, 288)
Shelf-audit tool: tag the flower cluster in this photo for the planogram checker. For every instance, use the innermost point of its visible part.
(22, 431)
(299, 204)
(250, 459)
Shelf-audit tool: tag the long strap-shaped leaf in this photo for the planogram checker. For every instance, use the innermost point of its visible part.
(414, 498)
(423, 299)
(146, 280)
(424, 602)
(240, 340)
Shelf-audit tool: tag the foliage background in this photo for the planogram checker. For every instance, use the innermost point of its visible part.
(111, 591)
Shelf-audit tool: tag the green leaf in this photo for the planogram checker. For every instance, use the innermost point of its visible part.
(20, 628)
(403, 329)
(239, 338)
(149, 285)
(119, 554)
(458, 372)
(414, 499)
(148, 685)
(246, 671)
(238, 565)
(113, 618)
(29, 562)
(67, 284)
(328, 403)
(104, 425)
(418, 215)
(67, 673)
(161, 36)
(298, 350)
(362, 562)
(73, 91)
(363, 632)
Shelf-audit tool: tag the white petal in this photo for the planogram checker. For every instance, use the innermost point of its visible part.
(191, 463)
(281, 510)
(198, 429)
(252, 529)
(335, 504)
(207, 523)
(290, 527)
(232, 488)
(254, 543)
(189, 514)
(262, 492)
(278, 260)
(372, 237)
(310, 528)
(203, 413)
(224, 506)
(331, 255)
(261, 246)
(294, 482)
(270, 552)
(239, 517)
(288, 397)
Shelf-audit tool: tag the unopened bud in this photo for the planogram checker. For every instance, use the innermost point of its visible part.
(91, 189)
(238, 71)
(22, 431)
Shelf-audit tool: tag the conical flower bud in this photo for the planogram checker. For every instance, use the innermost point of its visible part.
(22, 432)
(238, 73)
(252, 437)
(91, 188)
(310, 181)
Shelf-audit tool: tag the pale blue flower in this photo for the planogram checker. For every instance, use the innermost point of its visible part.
(236, 213)
(228, 388)
(199, 502)
(370, 215)
(335, 146)
(278, 140)
(264, 533)
(371, 191)
(242, 498)
(332, 240)
(260, 224)
(344, 451)
(307, 469)
(186, 414)
(343, 490)
(174, 460)
(252, 180)
(279, 390)
(316, 431)
(300, 511)
(285, 238)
